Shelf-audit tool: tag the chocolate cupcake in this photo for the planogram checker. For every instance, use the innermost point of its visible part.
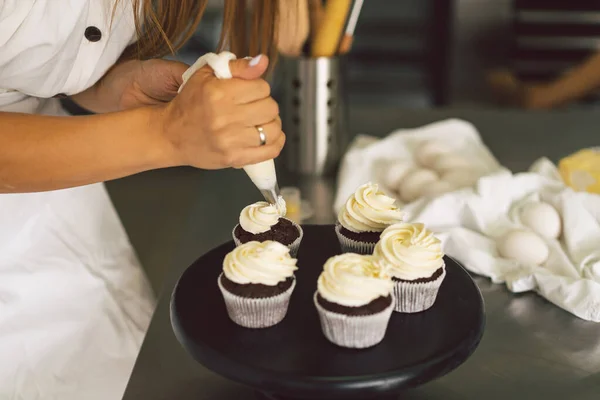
(262, 221)
(354, 300)
(413, 257)
(257, 283)
(364, 216)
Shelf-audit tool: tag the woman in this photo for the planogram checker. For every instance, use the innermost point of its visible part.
(78, 51)
(73, 302)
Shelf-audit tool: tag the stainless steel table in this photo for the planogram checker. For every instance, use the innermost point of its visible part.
(530, 350)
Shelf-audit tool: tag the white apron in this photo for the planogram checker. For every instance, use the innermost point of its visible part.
(74, 302)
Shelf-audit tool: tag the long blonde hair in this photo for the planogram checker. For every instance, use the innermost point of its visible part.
(163, 26)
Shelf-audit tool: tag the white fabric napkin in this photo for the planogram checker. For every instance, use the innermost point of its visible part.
(570, 278)
(470, 221)
(365, 152)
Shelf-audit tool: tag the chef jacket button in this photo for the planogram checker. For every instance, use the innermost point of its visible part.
(93, 34)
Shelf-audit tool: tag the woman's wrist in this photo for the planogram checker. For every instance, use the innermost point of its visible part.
(160, 150)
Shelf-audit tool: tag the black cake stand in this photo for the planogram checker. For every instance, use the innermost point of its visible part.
(293, 360)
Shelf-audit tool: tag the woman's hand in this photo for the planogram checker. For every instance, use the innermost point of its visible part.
(133, 84)
(149, 82)
(212, 123)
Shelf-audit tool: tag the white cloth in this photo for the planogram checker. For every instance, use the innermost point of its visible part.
(570, 278)
(470, 221)
(365, 152)
(74, 301)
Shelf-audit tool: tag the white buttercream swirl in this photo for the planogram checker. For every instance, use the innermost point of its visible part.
(369, 210)
(261, 216)
(266, 263)
(353, 280)
(410, 251)
(281, 206)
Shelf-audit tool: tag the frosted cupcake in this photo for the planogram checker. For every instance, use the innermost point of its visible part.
(262, 221)
(364, 216)
(257, 283)
(354, 300)
(413, 258)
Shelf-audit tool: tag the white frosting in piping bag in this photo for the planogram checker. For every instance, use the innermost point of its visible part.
(410, 251)
(353, 280)
(260, 217)
(262, 174)
(369, 210)
(266, 263)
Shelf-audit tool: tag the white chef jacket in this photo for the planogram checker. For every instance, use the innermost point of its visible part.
(74, 302)
(52, 47)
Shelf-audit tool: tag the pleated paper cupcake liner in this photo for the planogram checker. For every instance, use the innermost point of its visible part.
(259, 312)
(294, 246)
(417, 297)
(353, 246)
(351, 331)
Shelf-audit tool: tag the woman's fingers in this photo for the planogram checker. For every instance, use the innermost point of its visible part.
(257, 113)
(245, 137)
(244, 92)
(253, 155)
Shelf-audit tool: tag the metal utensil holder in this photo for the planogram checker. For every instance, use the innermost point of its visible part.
(314, 114)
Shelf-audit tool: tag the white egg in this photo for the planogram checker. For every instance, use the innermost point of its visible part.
(541, 218)
(461, 177)
(525, 247)
(451, 161)
(413, 185)
(428, 151)
(395, 172)
(438, 188)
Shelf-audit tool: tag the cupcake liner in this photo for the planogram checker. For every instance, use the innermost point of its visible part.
(294, 246)
(259, 312)
(353, 246)
(356, 332)
(417, 297)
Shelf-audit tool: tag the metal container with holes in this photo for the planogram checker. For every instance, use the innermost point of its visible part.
(313, 114)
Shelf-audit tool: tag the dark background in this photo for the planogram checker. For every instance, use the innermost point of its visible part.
(429, 53)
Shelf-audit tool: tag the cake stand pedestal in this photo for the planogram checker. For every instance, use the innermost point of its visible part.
(266, 396)
(294, 361)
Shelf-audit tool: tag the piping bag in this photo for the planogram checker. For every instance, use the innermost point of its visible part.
(263, 174)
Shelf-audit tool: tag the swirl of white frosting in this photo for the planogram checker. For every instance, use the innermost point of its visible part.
(267, 263)
(369, 210)
(261, 216)
(353, 280)
(410, 251)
